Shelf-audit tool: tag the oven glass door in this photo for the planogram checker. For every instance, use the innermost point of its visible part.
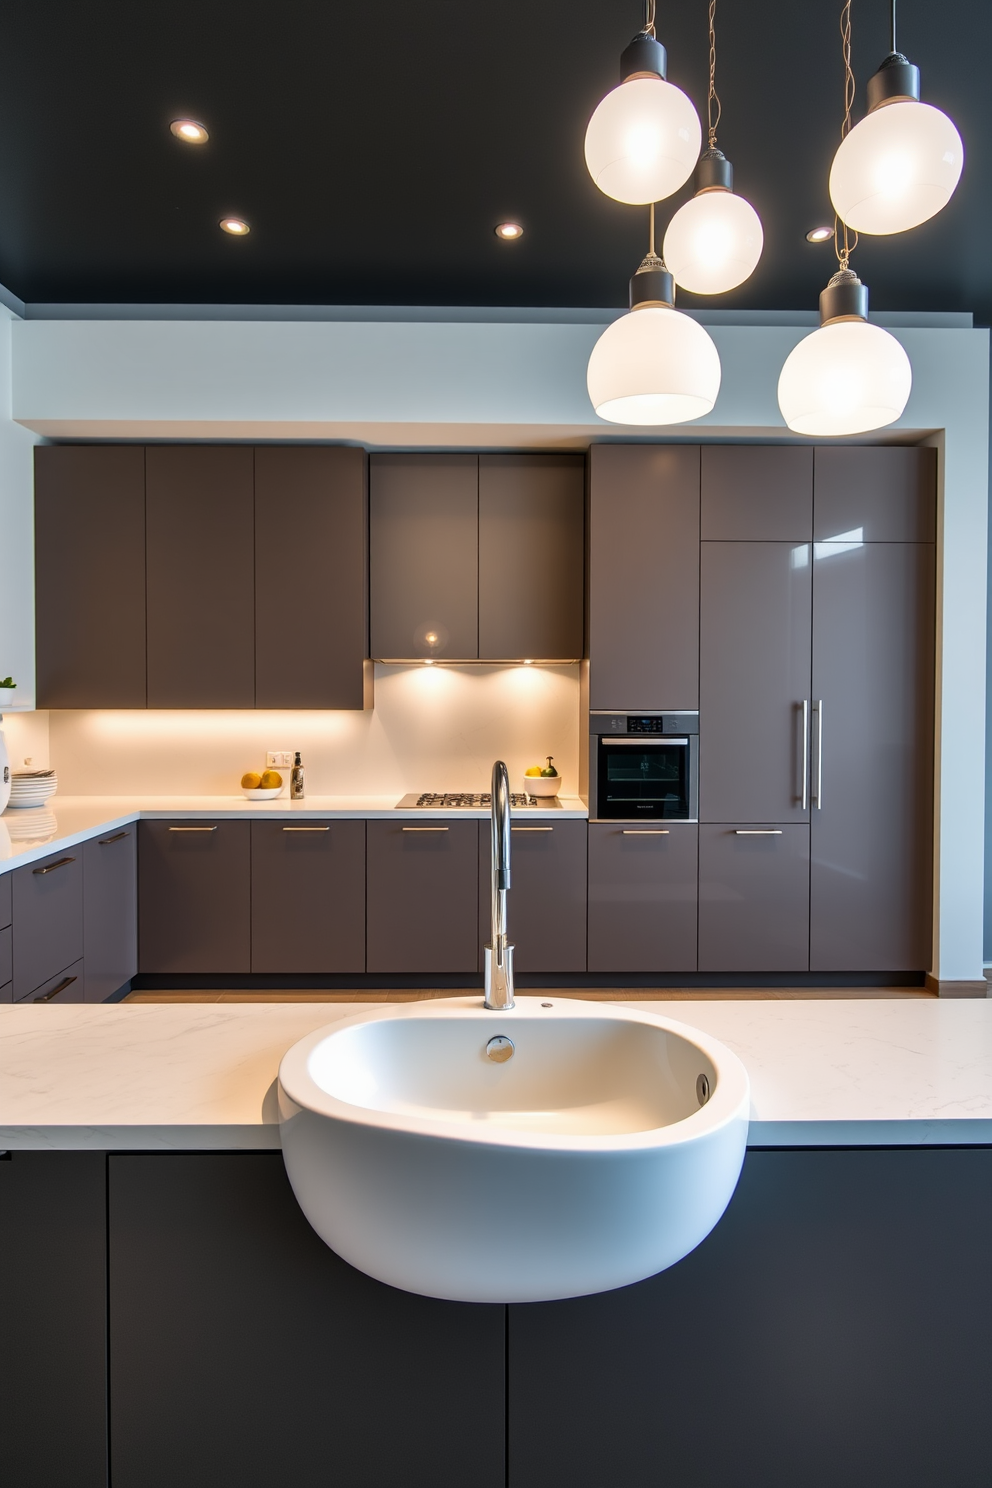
(641, 777)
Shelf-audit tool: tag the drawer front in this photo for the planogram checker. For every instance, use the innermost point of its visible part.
(47, 919)
(66, 986)
(5, 899)
(642, 897)
(7, 993)
(194, 896)
(6, 971)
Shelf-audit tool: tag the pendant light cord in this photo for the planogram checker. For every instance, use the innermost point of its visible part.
(713, 109)
(892, 29)
(649, 9)
(843, 246)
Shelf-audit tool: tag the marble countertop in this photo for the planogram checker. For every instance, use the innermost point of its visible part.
(65, 821)
(152, 1076)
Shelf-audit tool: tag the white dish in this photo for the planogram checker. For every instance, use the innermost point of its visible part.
(268, 794)
(542, 785)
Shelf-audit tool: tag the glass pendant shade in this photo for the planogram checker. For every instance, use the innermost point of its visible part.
(643, 141)
(653, 366)
(897, 168)
(845, 378)
(713, 242)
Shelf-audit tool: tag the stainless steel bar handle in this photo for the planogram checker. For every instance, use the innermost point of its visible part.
(106, 841)
(51, 867)
(423, 829)
(192, 829)
(818, 787)
(805, 790)
(644, 832)
(47, 996)
(532, 829)
(306, 829)
(757, 831)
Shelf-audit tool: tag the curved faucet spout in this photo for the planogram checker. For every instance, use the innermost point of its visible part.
(499, 953)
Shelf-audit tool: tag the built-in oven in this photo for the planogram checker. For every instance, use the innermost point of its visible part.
(644, 766)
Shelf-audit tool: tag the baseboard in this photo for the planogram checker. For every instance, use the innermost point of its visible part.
(377, 982)
(956, 989)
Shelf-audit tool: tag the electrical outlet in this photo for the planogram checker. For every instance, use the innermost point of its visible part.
(279, 759)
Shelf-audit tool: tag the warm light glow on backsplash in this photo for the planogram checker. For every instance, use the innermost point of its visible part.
(432, 728)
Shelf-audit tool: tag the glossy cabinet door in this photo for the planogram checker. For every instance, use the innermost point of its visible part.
(424, 556)
(546, 905)
(756, 493)
(753, 898)
(882, 494)
(872, 786)
(194, 896)
(308, 896)
(47, 920)
(423, 896)
(755, 650)
(642, 897)
(531, 556)
(643, 576)
(110, 911)
(311, 564)
(200, 576)
(90, 576)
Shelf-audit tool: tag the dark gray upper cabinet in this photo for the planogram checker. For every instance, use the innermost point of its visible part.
(546, 905)
(643, 576)
(882, 494)
(194, 896)
(48, 919)
(423, 906)
(308, 896)
(110, 911)
(753, 898)
(201, 583)
(872, 818)
(311, 562)
(90, 576)
(424, 556)
(754, 676)
(531, 541)
(756, 493)
(642, 897)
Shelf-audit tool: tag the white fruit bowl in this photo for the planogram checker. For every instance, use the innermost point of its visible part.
(542, 785)
(268, 794)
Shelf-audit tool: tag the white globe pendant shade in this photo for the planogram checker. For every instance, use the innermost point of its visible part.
(653, 366)
(845, 378)
(643, 141)
(713, 242)
(897, 168)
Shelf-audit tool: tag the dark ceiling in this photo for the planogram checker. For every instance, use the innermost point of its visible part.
(373, 149)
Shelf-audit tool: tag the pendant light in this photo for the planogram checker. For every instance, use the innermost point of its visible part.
(714, 241)
(655, 365)
(901, 164)
(644, 137)
(848, 377)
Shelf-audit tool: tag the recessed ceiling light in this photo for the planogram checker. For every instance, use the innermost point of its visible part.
(236, 226)
(189, 131)
(819, 234)
(508, 231)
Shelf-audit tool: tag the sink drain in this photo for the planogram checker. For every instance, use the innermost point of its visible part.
(499, 1049)
(702, 1089)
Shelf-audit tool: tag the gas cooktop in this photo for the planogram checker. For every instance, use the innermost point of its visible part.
(471, 801)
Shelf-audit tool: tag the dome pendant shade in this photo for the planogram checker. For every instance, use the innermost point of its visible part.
(653, 366)
(897, 168)
(713, 242)
(643, 141)
(846, 378)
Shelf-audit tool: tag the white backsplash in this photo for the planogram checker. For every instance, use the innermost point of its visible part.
(432, 728)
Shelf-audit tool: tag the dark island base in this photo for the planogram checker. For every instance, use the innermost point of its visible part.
(453, 981)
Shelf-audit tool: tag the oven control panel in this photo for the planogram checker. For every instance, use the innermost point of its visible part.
(643, 723)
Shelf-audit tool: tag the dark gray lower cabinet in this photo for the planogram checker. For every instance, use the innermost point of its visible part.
(194, 896)
(546, 906)
(423, 905)
(48, 920)
(308, 896)
(642, 897)
(753, 898)
(68, 985)
(6, 964)
(243, 1351)
(110, 911)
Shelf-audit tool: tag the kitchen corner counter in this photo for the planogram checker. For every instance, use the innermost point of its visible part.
(155, 1077)
(65, 821)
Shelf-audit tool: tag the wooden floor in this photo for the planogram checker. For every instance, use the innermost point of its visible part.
(595, 994)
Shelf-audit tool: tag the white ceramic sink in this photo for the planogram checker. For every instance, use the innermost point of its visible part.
(602, 1151)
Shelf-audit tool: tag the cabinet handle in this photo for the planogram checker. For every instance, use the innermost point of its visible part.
(757, 832)
(818, 788)
(106, 841)
(47, 996)
(306, 829)
(424, 829)
(192, 829)
(51, 867)
(532, 829)
(644, 832)
(805, 793)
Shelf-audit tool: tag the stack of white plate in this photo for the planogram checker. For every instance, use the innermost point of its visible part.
(32, 787)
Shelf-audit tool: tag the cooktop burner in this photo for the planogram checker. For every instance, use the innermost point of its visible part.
(470, 800)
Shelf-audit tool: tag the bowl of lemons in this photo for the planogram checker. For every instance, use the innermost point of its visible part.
(542, 780)
(262, 787)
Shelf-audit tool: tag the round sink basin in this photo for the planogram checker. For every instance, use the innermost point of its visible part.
(559, 1149)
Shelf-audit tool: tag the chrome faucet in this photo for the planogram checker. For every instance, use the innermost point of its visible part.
(499, 953)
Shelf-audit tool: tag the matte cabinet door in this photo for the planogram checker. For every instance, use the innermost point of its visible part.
(756, 493)
(67, 985)
(531, 556)
(110, 911)
(754, 675)
(6, 962)
(201, 585)
(885, 494)
(643, 576)
(423, 905)
(308, 896)
(424, 555)
(753, 898)
(90, 576)
(642, 897)
(53, 1302)
(546, 905)
(311, 555)
(872, 822)
(194, 896)
(5, 899)
(48, 919)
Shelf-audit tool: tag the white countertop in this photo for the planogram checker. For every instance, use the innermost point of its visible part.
(150, 1076)
(65, 821)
